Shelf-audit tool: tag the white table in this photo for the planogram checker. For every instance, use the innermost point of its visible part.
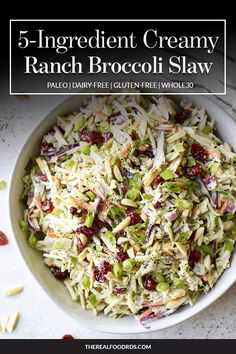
(40, 317)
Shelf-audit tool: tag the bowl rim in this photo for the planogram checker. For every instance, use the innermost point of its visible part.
(211, 297)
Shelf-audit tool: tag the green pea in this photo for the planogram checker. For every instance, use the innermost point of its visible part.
(178, 283)
(85, 149)
(206, 248)
(229, 245)
(128, 264)
(91, 195)
(23, 225)
(163, 286)
(158, 277)
(32, 240)
(89, 218)
(104, 127)
(133, 194)
(86, 282)
(69, 163)
(92, 299)
(117, 269)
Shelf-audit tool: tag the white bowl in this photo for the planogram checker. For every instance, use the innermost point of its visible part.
(55, 289)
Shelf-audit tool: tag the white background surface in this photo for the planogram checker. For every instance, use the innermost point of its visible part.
(40, 318)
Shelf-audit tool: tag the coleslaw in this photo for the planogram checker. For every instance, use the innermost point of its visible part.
(132, 203)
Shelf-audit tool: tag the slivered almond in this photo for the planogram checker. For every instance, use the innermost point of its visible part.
(82, 255)
(156, 246)
(207, 262)
(135, 246)
(117, 173)
(167, 248)
(130, 252)
(4, 322)
(12, 322)
(181, 248)
(129, 202)
(40, 164)
(176, 302)
(122, 225)
(13, 291)
(150, 177)
(199, 234)
(122, 240)
(144, 216)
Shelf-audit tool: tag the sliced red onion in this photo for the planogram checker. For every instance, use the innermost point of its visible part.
(30, 197)
(205, 191)
(149, 230)
(61, 150)
(210, 182)
(231, 206)
(106, 136)
(119, 120)
(157, 316)
(97, 204)
(215, 197)
(31, 225)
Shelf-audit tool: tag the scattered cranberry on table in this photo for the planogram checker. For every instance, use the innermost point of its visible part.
(68, 337)
(3, 239)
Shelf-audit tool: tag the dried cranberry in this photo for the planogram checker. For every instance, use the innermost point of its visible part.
(46, 146)
(68, 337)
(194, 257)
(58, 274)
(74, 211)
(47, 206)
(157, 205)
(199, 152)
(157, 181)
(117, 291)
(120, 234)
(149, 283)
(92, 137)
(43, 178)
(127, 174)
(135, 218)
(105, 267)
(99, 223)
(121, 256)
(93, 230)
(193, 171)
(148, 152)
(98, 276)
(3, 239)
(87, 231)
(182, 116)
